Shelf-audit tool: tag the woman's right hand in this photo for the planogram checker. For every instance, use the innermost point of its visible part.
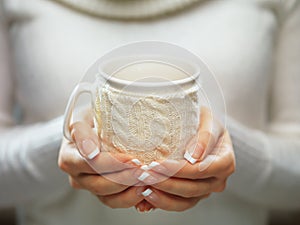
(117, 188)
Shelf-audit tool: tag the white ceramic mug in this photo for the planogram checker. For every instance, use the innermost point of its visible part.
(145, 99)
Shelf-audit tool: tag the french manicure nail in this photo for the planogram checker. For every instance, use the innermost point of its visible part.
(189, 158)
(159, 167)
(143, 176)
(147, 192)
(151, 195)
(195, 150)
(148, 210)
(89, 149)
(136, 162)
(145, 167)
(153, 164)
(138, 209)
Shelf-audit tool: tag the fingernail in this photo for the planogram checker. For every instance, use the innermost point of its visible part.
(189, 158)
(140, 190)
(160, 168)
(153, 164)
(143, 176)
(89, 149)
(147, 192)
(149, 210)
(150, 166)
(136, 162)
(194, 151)
(145, 167)
(139, 209)
(151, 195)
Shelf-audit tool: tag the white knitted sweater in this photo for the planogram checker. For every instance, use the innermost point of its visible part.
(253, 47)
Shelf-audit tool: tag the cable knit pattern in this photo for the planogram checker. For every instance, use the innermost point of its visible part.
(150, 127)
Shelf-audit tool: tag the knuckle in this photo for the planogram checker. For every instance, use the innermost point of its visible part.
(228, 166)
(231, 169)
(224, 166)
(63, 164)
(79, 162)
(221, 187)
(66, 160)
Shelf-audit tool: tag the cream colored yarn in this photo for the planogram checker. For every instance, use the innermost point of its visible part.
(149, 128)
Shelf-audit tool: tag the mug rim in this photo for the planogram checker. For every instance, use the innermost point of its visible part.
(169, 83)
(151, 84)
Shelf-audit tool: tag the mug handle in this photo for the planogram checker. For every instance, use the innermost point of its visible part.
(78, 90)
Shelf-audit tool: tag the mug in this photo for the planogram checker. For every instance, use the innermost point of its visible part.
(145, 99)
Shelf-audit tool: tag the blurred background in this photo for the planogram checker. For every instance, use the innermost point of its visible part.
(278, 218)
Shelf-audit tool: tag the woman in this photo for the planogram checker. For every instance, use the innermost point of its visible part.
(253, 48)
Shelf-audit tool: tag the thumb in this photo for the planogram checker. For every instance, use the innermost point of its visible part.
(86, 139)
(202, 144)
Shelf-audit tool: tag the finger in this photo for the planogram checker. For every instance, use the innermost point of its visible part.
(70, 161)
(208, 133)
(107, 162)
(148, 206)
(108, 184)
(182, 187)
(190, 188)
(88, 144)
(125, 199)
(169, 202)
(221, 163)
(74, 184)
(140, 207)
(86, 139)
(144, 206)
(86, 115)
(177, 169)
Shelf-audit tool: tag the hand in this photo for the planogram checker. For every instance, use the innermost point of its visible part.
(211, 160)
(116, 189)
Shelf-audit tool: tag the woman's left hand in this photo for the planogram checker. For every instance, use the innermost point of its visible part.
(211, 162)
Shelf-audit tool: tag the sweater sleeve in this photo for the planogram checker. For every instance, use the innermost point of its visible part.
(268, 163)
(28, 154)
